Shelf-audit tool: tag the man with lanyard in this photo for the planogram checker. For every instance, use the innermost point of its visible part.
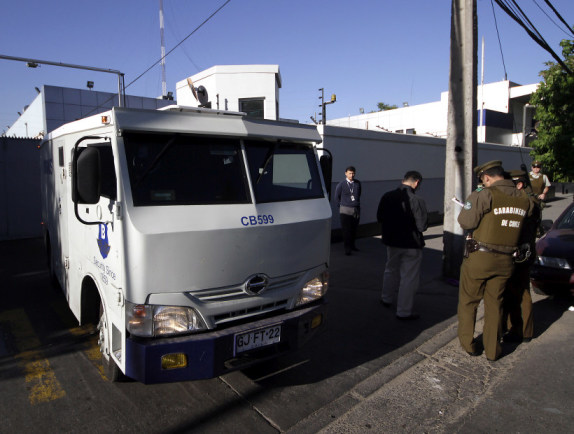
(348, 197)
(539, 182)
(493, 215)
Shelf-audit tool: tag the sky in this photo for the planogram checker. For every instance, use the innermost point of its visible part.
(364, 51)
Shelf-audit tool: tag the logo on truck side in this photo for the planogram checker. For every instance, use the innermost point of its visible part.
(103, 242)
(256, 284)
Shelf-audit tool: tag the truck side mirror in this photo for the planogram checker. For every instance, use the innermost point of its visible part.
(87, 182)
(326, 162)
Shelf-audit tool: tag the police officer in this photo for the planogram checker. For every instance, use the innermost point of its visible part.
(539, 181)
(517, 300)
(494, 214)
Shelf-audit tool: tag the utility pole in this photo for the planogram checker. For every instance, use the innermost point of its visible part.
(323, 105)
(461, 131)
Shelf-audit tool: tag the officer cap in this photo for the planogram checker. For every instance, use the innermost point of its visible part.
(478, 170)
(518, 175)
(536, 163)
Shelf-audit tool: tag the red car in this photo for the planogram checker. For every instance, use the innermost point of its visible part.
(553, 270)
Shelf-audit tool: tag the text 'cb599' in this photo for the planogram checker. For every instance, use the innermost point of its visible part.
(254, 220)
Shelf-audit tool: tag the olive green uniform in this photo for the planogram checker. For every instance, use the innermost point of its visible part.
(517, 300)
(495, 215)
(537, 184)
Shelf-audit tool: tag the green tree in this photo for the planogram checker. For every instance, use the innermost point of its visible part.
(554, 101)
(382, 106)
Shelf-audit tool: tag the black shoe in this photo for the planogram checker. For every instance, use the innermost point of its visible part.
(384, 303)
(526, 340)
(478, 348)
(410, 317)
(511, 337)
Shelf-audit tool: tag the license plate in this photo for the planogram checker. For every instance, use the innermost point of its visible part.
(257, 338)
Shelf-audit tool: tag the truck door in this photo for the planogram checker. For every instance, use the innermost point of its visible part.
(62, 183)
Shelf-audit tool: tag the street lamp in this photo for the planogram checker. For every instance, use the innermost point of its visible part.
(33, 63)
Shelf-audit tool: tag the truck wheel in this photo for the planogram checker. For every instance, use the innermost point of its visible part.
(111, 370)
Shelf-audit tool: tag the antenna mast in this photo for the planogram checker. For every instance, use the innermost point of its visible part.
(163, 83)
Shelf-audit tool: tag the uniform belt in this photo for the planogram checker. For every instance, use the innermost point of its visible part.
(482, 248)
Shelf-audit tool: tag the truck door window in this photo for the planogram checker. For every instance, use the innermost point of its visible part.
(170, 169)
(282, 171)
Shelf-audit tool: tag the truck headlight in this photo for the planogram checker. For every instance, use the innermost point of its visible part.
(148, 320)
(314, 289)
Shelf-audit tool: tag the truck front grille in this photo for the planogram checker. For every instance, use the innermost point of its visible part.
(246, 313)
(237, 292)
(285, 288)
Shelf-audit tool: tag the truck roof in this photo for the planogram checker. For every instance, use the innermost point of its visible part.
(190, 120)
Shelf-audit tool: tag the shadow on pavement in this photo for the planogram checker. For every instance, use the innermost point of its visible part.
(362, 335)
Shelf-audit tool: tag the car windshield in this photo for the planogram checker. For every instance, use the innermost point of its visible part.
(282, 171)
(171, 169)
(567, 220)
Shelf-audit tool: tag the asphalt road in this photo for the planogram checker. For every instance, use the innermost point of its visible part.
(51, 378)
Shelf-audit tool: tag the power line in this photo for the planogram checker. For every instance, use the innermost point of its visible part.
(515, 12)
(550, 18)
(499, 43)
(181, 42)
(170, 51)
(559, 16)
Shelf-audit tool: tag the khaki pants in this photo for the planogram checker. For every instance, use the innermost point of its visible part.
(402, 275)
(483, 275)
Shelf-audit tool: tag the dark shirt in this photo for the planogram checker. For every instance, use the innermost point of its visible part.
(403, 217)
(345, 190)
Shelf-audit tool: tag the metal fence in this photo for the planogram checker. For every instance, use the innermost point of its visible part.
(20, 209)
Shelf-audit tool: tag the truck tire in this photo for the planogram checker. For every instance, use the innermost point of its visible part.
(111, 370)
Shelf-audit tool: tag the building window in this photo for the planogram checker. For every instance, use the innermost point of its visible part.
(253, 107)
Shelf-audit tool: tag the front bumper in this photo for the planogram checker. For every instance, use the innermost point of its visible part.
(551, 280)
(211, 354)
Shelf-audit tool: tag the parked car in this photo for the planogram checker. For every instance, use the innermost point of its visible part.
(553, 270)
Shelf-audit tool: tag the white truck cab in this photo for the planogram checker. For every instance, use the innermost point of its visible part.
(197, 240)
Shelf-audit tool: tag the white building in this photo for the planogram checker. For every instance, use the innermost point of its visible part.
(253, 89)
(55, 106)
(503, 116)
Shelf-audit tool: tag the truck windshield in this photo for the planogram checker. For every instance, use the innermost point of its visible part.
(283, 171)
(171, 169)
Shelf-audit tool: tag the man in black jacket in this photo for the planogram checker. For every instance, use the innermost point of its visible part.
(403, 218)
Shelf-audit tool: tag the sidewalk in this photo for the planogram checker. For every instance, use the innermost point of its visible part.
(433, 386)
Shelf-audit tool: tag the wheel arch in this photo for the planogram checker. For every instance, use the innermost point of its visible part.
(90, 302)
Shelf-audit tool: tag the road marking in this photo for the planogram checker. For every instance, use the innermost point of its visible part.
(44, 386)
